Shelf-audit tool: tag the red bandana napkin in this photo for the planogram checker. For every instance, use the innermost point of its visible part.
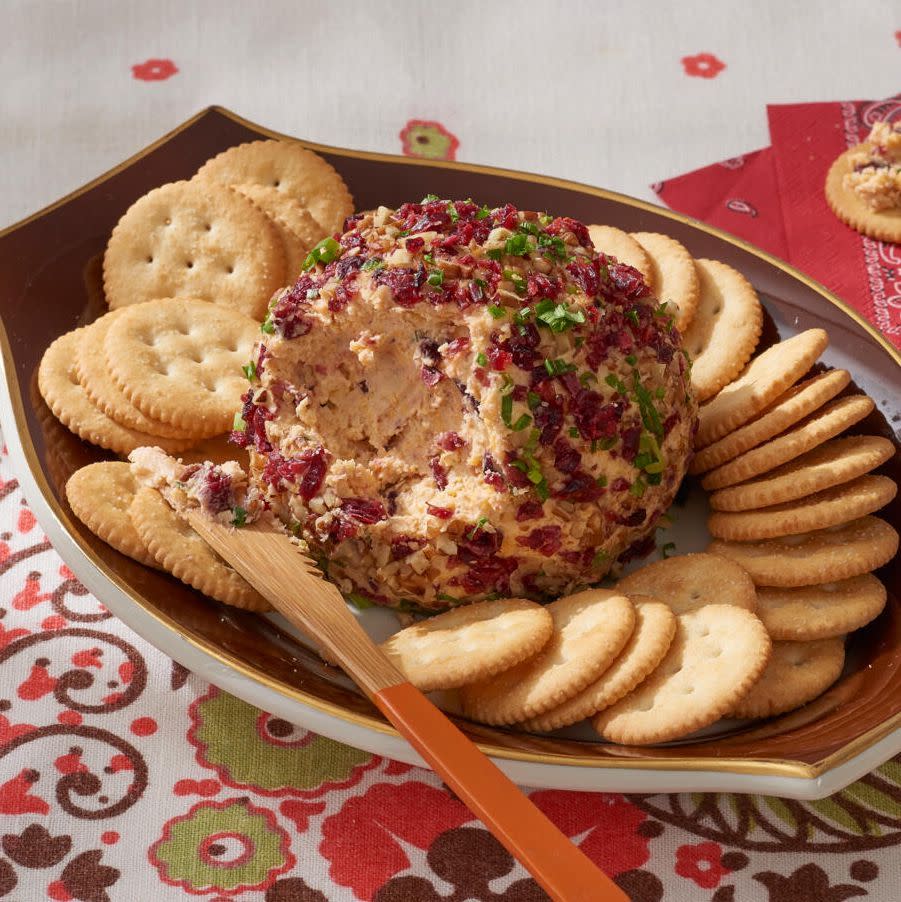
(774, 198)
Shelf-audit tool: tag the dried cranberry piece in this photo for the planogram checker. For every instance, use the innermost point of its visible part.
(586, 275)
(566, 458)
(310, 467)
(522, 346)
(493, 474)
(671, 421)
(403, 546)
(631, 439)
(498, 358)
(489, 575)
(405, 283)
(545, 539)
(549, 419)
(430, 376)
(529, 510)
(515, 475)
(363, 510)
(620, 484)
(595, 419)
(580, 486)
(215, 494)
(254, 432)
(567, 224)
(628, 281)
(449, 441)
(542, 286)
(439, 472)
(415, 244)
(636, 518)
(639, 549)
(442, 513)
(456, 346)
(347, 265)
(478, 543)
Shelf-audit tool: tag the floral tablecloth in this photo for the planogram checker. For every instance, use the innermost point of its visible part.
(124, 777)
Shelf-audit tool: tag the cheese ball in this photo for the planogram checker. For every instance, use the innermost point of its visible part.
(455, 403)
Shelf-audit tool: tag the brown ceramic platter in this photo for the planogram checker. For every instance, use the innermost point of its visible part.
(50, 283)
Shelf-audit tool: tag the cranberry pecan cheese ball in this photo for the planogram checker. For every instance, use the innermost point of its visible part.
(455, 403)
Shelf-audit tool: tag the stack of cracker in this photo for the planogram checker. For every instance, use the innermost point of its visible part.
(792, 504)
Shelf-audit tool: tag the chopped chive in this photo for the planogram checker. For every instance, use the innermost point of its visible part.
(452, 212)
(638, 488)
(360, 602)
(632, 316)
(660, 392)
(667, 550)
(600, 557)
(481, 359)
(601, 481)
(239, 517)
(479, 524)
(483, 213)
(587, 377)
(267, 326)
(327, 250)
(249, 370)
(429, 258)
(615, 382)
(541, 490)
(631, 359)
(373, 263)
(557, 367)
(495, 253)
(429, 199)
(507, 408)
(557, 317)
(524, 421)
(517, 245)
(239, 424)
(573, 432)
(529, 227)
(497, 312)
(533, 400)
(436, 278)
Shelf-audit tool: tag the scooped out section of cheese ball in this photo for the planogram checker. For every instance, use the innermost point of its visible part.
(455, 402)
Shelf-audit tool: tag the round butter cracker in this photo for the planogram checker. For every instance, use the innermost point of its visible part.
(300, 177)
(469, 643)
(65, 396)
(194, 239)
(674, 276)
(832, 463)
(100, 495)
(767, 376)
(691, 581)
(180, 361)
(883, 225)
(655, 627)
(831, 507)
(181, 552)
(823, 611)
(590, 630)
(797, 673)
(826, 555)
(717, 655)
(724, 330)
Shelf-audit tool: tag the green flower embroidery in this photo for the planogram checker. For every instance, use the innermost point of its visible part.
(431, 140)
(224, 846)
(253, 750)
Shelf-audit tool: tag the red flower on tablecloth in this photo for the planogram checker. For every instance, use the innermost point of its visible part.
(702, 65)
(154, 70)
(431, 140)
(702, 862)
(373, 836)
(606, 825)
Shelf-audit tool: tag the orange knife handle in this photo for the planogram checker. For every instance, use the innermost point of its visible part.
(560, 867)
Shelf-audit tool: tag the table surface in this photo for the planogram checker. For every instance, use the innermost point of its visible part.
(215, 800)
